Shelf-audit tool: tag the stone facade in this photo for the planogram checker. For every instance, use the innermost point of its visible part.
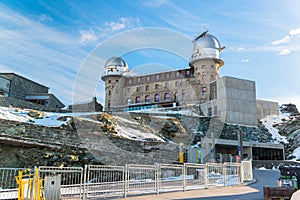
(233, 100)
(91, 106)
(178, 87)
(22, 89)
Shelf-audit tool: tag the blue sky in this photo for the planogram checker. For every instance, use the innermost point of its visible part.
(53, 42)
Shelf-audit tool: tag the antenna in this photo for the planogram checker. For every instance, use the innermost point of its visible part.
(222, 48)
(199, 36)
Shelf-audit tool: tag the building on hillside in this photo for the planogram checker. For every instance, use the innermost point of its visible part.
(232, 100)
(18, 91)
(91, 106)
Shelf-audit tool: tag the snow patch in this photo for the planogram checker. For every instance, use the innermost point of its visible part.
(296, 153)
(268, 122)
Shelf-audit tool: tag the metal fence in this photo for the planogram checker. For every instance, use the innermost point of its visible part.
(246, 171)
(8, 183)
(66, 182)
(100, 181)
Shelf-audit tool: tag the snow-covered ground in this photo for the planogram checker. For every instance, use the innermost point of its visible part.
(271, 120)
(296, 153)
(50, 119)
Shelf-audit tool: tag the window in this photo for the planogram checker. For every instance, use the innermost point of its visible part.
(148, 78)
(108, 104)
(213, 90)
(176, 97)
(209, 112)
(177, 83)
(177, 74)
(167, 84)
(128, 90)
(156, 86)
(139, 79)
(147, 88)
(215, 110)
(117, 81)
(167, 97)
(129, 101)
(138, 99)
(147, 99)
(183, 94)
(109, 92)
(130, 81)
(168, 75)
(109, 81)
(188, 72)
(157, 77)
(204, 94)
(138, 89)
(157, 98)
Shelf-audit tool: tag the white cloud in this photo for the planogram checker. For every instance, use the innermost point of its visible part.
(294, 31)
(120, 24)
(245, 60)
(39, 52)
(241, 49)
(284, 40)
(44, 17)
(284, 52)
(87, 36)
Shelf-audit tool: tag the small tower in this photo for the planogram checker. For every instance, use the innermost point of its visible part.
(205, 61)
(115, 68)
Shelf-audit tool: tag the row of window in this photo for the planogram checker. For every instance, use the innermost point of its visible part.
(158, 76)
(157, 98)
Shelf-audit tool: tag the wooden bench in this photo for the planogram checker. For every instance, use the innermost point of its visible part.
(281, 193)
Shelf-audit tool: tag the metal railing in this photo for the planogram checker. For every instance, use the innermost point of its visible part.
(8, 183)
(67, 182)
(101, 181)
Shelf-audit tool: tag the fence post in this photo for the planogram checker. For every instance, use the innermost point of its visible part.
(184, 174)
(85, 182)
(206, 175)
(157, 177)
(242, 172)
(125, 180)
(224, 173)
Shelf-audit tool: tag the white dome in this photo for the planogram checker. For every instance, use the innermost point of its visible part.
(115, 62)
(207, 41)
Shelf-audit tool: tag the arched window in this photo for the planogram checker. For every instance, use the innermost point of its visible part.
(167, 97)
(157, 98)
(147, 99)
(138, 99)
(129, 101)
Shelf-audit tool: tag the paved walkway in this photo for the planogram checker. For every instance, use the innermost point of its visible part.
(198, 194)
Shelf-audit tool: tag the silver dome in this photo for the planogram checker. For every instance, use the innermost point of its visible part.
(116, 62)
(208, 41)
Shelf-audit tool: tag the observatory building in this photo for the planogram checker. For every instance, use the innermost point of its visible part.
(231, 99)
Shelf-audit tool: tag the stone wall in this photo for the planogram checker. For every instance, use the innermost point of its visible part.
(20, 103)
(20, 86)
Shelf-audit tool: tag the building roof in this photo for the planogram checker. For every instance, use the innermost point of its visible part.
(13, 74)
(45, 94)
